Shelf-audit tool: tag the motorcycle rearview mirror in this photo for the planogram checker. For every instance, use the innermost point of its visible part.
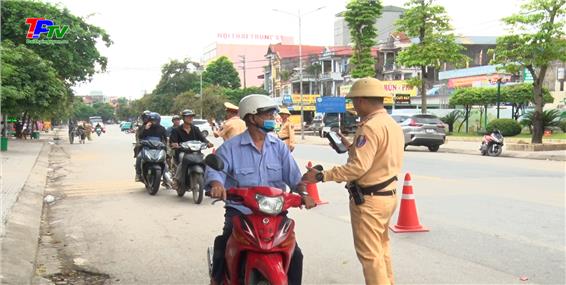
(214, 162)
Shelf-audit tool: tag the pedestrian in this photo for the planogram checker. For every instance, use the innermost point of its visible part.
(374, 161)
(287, 131)
(233, 125)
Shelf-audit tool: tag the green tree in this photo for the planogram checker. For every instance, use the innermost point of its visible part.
(437, 45)
(221, 72)
(550, 118)
(521, 95)
(82, 111)
(29, 84)
(176, 78)
(537, 37)
(361, 16)
(186, 100)
(75, 61)
(235, 95)
(451, 118)
(104, 110)
(467, 97)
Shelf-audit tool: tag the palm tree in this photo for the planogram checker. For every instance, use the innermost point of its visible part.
(550, 118)
(451, 119)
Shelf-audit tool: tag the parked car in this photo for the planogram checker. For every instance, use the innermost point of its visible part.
(424, 130)
(400, 118)
(166, 121)
(348, 123)
(203, 126)
(124, 126)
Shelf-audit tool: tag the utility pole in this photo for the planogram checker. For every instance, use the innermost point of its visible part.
(299, 16)
(243, 57)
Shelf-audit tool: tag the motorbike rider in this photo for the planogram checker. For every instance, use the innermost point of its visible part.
(144, 118)
(255, 158)
(152, 130)
(176, 122)
(185, 132)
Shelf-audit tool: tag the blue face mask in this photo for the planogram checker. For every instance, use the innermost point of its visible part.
(268, 125)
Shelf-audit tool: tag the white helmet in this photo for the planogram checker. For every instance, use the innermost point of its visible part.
(256, 103)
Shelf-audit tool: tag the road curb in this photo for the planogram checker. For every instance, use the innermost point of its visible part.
(535, 156)
(19, 245)
(525, 155)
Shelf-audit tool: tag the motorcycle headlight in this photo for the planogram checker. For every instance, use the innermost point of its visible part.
(270, 205)
(194, 147)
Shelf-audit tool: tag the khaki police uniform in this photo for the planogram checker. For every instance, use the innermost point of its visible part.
(375, 156)
(287, 131)
(232, 127)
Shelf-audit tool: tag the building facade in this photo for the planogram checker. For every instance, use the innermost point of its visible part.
(385, 26)
(246, 51)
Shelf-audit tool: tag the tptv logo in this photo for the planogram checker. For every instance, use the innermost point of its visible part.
(39, 26)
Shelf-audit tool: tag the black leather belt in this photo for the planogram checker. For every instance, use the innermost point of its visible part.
(375, 190)
(379, 193)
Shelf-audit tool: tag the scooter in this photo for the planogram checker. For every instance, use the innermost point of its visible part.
(191, 161)
(98, 131)
(492, 144)
(153, 164)
(262, 242)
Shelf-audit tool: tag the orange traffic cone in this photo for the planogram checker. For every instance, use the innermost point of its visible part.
(408, 220)
(312, 189)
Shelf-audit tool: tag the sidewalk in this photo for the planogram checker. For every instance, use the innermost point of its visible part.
(17, 163)
(22, 180)
(461, 146)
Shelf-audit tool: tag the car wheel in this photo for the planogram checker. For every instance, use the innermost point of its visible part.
(433, 148)
(205, 133)
(405, 147)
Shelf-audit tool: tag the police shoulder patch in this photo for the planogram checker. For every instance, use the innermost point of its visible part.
(361, 141)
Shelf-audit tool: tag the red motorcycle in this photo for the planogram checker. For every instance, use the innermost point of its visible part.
(492, 143)
(260, 247)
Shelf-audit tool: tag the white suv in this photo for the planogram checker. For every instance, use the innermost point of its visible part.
(203, 126)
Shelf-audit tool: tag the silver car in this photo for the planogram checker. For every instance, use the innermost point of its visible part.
(424, 130)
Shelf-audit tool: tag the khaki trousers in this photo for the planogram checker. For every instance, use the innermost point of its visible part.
(370, 222)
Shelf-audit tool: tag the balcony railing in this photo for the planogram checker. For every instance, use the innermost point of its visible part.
(334, 76)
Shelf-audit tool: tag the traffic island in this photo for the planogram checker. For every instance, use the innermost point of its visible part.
(524, 146)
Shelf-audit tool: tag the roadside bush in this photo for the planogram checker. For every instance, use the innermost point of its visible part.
(563, 125)
(508, 127)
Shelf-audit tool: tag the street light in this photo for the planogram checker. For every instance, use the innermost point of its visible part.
(299, 16)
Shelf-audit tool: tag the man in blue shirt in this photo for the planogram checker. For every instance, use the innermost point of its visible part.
(255, 158)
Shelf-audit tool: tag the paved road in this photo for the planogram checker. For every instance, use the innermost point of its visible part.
(492, 220)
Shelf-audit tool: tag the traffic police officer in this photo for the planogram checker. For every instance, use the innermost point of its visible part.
(233, 125)
(287, 131)
(374, 161)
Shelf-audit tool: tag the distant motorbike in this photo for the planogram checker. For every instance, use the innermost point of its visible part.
(492, 144)
(98, 131)
(191, 161)
(153, 164)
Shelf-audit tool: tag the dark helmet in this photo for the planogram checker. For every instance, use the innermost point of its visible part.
(145, 116)
(155, 117)
(187, 112)
(175, 118)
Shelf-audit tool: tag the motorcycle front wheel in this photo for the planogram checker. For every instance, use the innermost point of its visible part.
(153, 180)
(495, 150)
(197, 186)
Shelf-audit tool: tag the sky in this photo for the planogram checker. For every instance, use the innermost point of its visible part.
(148, 34)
